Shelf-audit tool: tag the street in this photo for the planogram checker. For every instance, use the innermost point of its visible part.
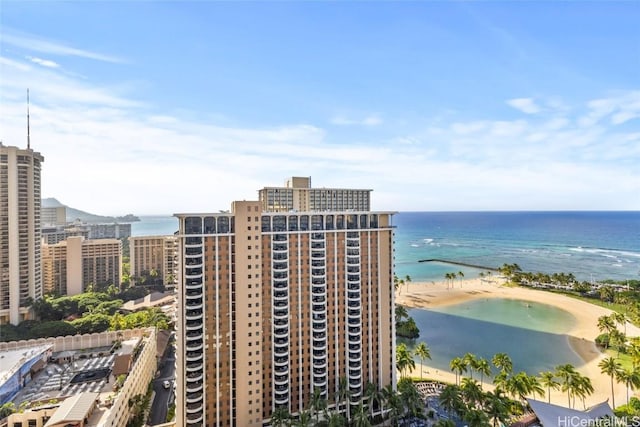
(163, 397)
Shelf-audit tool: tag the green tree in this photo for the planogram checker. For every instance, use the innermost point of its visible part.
(7, 409)
(458, 366)
(469, 360)
(567, 375)
(631, 378)
(503, 362)
(496, 407)
(404, 359)
(484, 368)
(548, 380)
(611, 367)
(451, 399)
(423, 352)
(318, 403)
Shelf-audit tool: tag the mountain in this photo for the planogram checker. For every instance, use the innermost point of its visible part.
(73, 214)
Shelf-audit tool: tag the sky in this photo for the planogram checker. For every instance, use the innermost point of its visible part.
(159, 107)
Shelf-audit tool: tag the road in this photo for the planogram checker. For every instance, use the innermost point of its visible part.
(163, 397)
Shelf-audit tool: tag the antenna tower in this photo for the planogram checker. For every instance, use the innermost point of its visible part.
(28, 128)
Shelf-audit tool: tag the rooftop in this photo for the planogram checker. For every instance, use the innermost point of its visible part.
(12, 360)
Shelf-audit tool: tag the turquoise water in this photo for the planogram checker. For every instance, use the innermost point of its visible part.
(532, 334)
(154, 226)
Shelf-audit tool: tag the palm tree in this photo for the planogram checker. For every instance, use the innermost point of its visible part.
(583, 388)
(342, 395)
(469, 360)
(404, 359)
(460, 275)
(334, 419)
(535, 387)
(547, 379)
(400, 313)
(476, 418)
(503, 362)
(360, 417)
(484, 368)
(423, 352)
(280, 417)
(610, 367)
(318, 403)
(631, 379)
(496, 407)
(621, 319)
(501, 381)
(458, 366)
(392, 401)
(304, 420)
(567, 374)
(471, 392)
(407, 280)
(373, 395)
(450, 399)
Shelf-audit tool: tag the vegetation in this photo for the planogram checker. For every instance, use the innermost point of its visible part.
(405, 325)
(84, 313)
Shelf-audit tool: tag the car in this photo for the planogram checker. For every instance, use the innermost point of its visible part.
(166, 384)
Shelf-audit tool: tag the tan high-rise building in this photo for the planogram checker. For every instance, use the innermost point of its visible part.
(297, 195)
(274, 305)
(20, 271)
(154, 253)
(69, 266)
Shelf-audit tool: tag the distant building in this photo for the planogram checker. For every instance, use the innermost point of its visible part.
(274, 304)
(54, 234)
(53, 216)
(297, 195)
(20, 270)
(69, 266)
(157, 254)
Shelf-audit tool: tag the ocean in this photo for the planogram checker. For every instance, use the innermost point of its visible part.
(591, 245)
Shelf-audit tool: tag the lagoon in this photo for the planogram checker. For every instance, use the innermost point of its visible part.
(534, 335)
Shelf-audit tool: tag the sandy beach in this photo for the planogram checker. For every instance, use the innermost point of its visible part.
(580, 338)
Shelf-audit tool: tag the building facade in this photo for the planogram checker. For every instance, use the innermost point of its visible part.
(157, 254)
(69, 266)
(298, 195)
(53, 216)
(273, 306)
(20, 269)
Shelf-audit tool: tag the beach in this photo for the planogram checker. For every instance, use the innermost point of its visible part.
(580, 338)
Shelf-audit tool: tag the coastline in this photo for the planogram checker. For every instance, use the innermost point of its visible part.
(580, 338)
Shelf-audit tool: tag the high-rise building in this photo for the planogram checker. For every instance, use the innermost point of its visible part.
(20, 271)
(297, 195)
(149, 254)
(72, 264)
(273, 306)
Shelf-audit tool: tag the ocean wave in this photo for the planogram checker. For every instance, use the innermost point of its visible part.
(609, 253)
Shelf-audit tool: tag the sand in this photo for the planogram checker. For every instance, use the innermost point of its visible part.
(580, 338)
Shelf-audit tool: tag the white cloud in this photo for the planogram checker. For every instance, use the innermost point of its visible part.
(370, 120)
(109, 154)
(44, 62)
(35, 44)
(526, 105)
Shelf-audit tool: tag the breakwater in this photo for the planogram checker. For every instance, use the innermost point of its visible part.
(463, 264)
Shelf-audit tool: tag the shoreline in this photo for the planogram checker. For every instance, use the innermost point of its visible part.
(580, 338)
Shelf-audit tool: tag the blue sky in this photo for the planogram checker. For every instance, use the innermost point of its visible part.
(162, 107)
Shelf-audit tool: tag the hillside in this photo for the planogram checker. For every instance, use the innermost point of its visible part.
(73, 214)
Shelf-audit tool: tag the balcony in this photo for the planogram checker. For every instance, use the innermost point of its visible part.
(194, 377)
(194, 326)
(194, 357)
(281, 333)
(280, 380)
(280, 353)
(195, 387)
(281, 370)
(280, 266)
(279, 248)
(195, 419)
(193, 397)
(194, 367)
(194, 408)
(280, 315)
(195, 346)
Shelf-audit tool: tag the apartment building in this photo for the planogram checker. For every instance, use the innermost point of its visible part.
(274, 305)
(157, 254)
(69, 266)
(297, 195)
(20, 269)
